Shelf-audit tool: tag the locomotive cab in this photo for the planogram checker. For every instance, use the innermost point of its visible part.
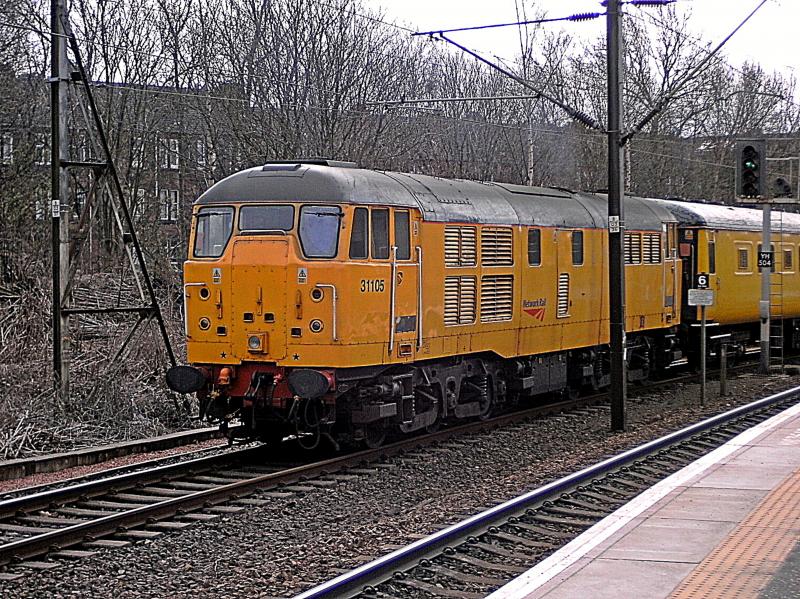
(281, 292)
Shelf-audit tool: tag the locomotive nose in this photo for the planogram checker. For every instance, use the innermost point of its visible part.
(258, 291)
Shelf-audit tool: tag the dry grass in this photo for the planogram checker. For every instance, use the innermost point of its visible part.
(106, 404)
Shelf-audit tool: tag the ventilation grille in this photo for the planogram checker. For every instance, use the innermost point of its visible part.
(497, 298)
(652, 248)
(633, 248)
(460, 246)
(459, 300)
(562, 307)
(497, 248)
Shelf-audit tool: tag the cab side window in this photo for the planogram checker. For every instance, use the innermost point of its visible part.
(359, 237)
(401, 235)
(380, 234)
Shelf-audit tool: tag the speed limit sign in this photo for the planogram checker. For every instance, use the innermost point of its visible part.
(701, 280)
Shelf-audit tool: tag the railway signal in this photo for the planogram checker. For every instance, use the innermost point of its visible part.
(751, 167)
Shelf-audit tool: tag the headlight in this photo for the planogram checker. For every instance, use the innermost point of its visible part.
(204, 324)
(315, 326)
(254, 342)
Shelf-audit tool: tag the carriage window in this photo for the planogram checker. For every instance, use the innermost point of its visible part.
(788, 263)
(534, 247)
(359, 238)
(266, 218)
(743, 260)
(380, 234)
(577, 248)
(712, 257)
(401, 235)
(212, 231)
(319, 230)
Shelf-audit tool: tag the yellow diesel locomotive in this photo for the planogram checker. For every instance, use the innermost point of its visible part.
(324, 299)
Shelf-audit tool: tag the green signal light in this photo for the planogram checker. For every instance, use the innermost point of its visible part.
(750, 164)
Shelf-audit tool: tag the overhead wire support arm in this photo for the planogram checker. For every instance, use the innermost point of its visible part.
(573, 112)
(586, 16)
(154, 307)
(668, 95)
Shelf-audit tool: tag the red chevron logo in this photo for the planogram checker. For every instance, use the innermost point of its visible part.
(537, 313)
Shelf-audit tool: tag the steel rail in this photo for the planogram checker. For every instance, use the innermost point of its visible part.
(43, 499)
(114, 522)
(352, 583)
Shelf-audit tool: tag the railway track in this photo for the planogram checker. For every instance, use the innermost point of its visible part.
(138, 505)
(114, 510)
(474, 557)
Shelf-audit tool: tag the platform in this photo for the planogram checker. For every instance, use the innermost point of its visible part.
(725, 526)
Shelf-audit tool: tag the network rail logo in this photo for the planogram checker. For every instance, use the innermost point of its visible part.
(535, 308)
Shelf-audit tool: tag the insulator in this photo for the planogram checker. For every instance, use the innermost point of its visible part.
(584, 16)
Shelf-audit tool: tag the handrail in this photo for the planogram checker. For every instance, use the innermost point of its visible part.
(392, 299)
(334, 297)
(419, 297)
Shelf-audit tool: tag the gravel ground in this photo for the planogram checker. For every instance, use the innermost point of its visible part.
(295, 542)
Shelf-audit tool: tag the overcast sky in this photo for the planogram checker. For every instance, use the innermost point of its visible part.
(771, 37)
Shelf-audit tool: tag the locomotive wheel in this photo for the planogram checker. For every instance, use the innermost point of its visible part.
(374, 436)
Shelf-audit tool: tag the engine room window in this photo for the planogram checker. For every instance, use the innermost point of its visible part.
(213, 227)
(401, 235)
(577, 248)
(359, 237)
(380, 234)
(319, 231)
(534, 247)
(266, 218)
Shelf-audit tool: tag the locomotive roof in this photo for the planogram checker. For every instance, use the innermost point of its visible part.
(735, 218)
(439, 200)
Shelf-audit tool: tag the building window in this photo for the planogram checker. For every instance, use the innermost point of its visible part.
(534, 247)
(80, 202)
(577, 248)
(41, 150)
(7, 149)
(137, 208)
(169, 153)
(137, 151)
(168, 203)
(200, 148)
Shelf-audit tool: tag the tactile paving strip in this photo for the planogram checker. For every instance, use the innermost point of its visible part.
(744, 563)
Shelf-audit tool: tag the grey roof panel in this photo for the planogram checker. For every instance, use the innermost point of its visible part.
(439, 200)
(716, 216)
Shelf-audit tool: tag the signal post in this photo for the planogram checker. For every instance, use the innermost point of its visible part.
(752, 187)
